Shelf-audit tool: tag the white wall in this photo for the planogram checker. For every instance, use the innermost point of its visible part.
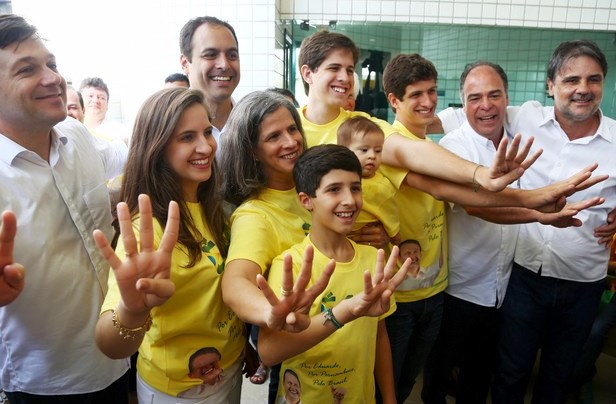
(134, 44)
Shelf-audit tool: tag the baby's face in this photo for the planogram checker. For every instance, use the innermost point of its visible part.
(368, 150)
(412, 251)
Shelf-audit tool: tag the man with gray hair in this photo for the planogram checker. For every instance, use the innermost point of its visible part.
(52, 177)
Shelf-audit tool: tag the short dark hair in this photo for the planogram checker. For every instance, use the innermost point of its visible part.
(95, 82)
(14, 29)
(571, 50)
(318, 161)
(405, 69)
(78, 95)
(410, 241)
(356, 126)
(188, 31)
(285, 92)
(172, 78)
(318, 46)
(469, 67)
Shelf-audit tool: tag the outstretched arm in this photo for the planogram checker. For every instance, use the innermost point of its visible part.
(373, 301)
(11, 273)
(257, 304)
(550, 198)
(435, 161)
(142, 278)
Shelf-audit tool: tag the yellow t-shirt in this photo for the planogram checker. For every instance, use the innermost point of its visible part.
(346, 358)
(194, 317)
(379, 204)
(327, 134)
(422, 218)
(263, 227)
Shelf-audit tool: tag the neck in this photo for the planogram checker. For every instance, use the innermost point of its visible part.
(280, 184)
(332, 245)
(37, 140)
(578, 129)
(93, 120)
(320, 113)
(220, 112)
(415, 129)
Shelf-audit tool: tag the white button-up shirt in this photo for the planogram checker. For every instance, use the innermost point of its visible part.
(47, 334)
(480, 252)
(571, 253)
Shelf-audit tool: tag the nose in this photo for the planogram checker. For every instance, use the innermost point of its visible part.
(485, 103)
(222, 62)
(289, 139)
(347, 197)
(583, 87)
(51, 77)
(205, 145)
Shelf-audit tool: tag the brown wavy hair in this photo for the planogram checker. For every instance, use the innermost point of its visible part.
(147, 171)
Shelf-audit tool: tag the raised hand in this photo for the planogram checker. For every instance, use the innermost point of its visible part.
(509, 164)
(290, 311)
(375, 298)
(552, 198)
(143, 276)
(11, 273)
(566, 216)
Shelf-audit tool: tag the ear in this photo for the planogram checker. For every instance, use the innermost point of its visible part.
(305, 200)
(306, 74)
(185, 64)
(551, 88)
(393, 101)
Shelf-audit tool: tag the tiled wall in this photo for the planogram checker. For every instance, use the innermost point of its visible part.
(569, 14)
(133, 44)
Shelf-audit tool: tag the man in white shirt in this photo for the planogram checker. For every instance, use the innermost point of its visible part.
(557, 276)
(52, 176)
(480, 252)
(211, 60)
(96, 98)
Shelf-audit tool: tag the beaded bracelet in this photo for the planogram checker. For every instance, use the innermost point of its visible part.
(328, 315)
(130, 333)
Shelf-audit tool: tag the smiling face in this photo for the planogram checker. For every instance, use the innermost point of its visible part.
(337, 201)
(73, 106)
(332, 81)
(95, 101)
(33, 92)
(292, 388)
(280, 144)
(577, 89)
(206, 367)
(417, 107)
(368, 148)
(214, 67)
(191, 149)
(485, 102)
(410, 250)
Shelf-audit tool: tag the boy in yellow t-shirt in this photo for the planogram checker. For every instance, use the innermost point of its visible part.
(365, 138)
(346, 345)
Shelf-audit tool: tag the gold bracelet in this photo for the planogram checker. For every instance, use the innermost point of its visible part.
(130, 333)
(476, 186)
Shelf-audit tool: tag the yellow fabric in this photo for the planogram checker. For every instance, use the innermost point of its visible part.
(422, 218)
(346, 358)
(379, 204)
(263, 227)
(193, 318)
(326, 134)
